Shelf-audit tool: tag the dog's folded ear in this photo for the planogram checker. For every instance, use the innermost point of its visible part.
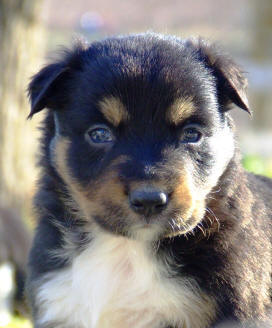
(230, 80)
(44, 87)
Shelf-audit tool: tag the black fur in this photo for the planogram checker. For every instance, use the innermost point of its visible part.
(147, 73)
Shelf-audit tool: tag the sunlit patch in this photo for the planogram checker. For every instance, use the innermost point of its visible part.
(181, 109)
(113, 110)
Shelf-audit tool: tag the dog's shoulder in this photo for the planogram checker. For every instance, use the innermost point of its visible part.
(262, 182)
(261, 188)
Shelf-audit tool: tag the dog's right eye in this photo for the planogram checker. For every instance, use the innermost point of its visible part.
(100, 135)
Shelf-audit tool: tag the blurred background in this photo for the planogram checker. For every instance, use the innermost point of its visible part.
(30, 30)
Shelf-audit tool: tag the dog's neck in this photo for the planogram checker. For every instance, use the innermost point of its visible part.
(226, 198)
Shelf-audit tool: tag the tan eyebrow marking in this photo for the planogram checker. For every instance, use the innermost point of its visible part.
(181, 109)
(113, 110)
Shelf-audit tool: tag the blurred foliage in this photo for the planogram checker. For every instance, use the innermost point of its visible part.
(18, 322)
(256, 164)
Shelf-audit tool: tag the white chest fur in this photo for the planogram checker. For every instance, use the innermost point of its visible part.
(117, 283)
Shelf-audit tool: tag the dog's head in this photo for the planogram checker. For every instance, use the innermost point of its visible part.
(141, 134)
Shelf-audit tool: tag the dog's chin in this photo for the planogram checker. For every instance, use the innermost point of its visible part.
(147, 232)
(156, 231)
(150, 231)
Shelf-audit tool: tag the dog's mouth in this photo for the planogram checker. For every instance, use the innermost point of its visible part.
(167, 224)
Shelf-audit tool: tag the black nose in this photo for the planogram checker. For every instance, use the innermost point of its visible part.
(148, 202)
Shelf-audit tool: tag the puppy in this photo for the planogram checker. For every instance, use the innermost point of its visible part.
(146, 216)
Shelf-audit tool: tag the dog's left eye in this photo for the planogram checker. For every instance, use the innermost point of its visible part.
(190, 134)
(100, 135)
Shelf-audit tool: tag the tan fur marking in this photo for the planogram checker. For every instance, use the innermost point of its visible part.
(110, 186)
(77, 192)
(113, 110)
(60, 152)
(90, 201)
(182, 195)
(189, 208)
(180, 110)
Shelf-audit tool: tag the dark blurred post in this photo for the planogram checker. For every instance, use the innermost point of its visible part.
(21, 47)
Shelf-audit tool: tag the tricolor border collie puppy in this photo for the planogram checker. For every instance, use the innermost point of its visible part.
(146, 218)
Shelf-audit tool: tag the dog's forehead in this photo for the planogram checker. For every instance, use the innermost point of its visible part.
(140, 81)
(115, 112)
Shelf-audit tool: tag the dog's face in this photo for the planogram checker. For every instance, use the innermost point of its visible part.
(141, 135)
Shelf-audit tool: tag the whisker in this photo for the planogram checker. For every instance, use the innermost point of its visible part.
(201, 228)
(210, 211)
